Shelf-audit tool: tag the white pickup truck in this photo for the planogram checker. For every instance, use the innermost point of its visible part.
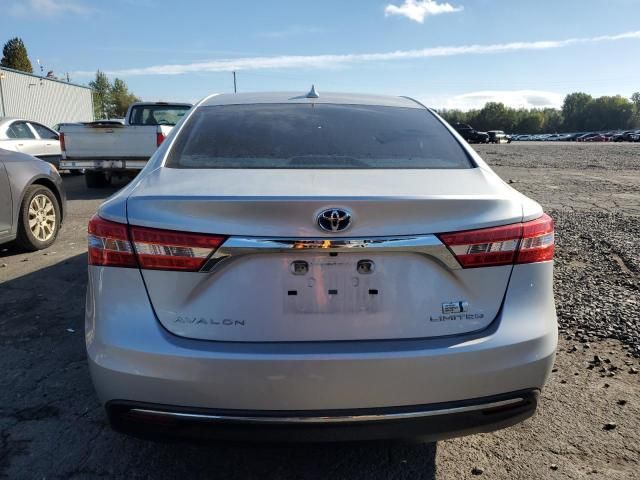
(108, 148)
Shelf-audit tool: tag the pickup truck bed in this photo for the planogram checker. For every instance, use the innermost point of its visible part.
(108, 148)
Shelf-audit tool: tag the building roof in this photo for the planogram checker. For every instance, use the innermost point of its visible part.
(301, 97)
(44, 78)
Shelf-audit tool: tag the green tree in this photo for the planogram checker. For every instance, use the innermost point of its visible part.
(574, 111)
(608, 113)
(14, 55)
(529, 121)
(121, 97)
(102, 102)
(553, 121)
(495, 116)
(453, 116)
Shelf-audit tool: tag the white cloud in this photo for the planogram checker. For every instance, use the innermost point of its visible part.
(511, 98)
(48, 8)
(333, 61)
(418, 10)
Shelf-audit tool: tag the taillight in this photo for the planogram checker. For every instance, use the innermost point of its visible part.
(170, 250)
(62, 145)
(114, 244)
(517, 243)
(538, 240)
(109, 244)
(160, 136)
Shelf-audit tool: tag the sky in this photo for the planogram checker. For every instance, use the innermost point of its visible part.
(446, 54)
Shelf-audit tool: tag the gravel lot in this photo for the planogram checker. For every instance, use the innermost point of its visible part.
(51, 425)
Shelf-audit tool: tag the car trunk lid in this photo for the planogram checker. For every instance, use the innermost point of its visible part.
(414, 290)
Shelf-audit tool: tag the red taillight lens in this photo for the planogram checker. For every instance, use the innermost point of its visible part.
(160, 138)
(538, 240)
(170, 250)
(517, 243)
(62, 145)
(109, 244)
(117, 245)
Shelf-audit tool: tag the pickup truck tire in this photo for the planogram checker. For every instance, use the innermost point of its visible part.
(39, 219)
(96, 179)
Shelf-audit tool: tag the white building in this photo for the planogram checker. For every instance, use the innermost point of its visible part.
(42, 99)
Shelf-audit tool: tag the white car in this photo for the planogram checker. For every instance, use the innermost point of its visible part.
(30, 137)
(319, 267)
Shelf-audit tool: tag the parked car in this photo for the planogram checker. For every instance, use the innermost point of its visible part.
(319, 267)
(498, 136)
(572, 137)
(29, 137)
(32, 201)
(585, 136)
(596, 138)
(470, 134)
(108, 148)
(625, 136)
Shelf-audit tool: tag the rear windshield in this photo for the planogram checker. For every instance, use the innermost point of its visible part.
(315, 136)
(157, 114)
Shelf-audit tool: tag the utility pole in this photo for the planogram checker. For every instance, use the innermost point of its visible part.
(235, 90)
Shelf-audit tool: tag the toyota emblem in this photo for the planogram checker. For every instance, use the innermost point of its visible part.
(334, 220)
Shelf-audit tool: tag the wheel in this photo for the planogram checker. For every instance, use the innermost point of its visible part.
(96, 179)
(39, 218)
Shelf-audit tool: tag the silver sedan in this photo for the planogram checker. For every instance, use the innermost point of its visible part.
(319, 267)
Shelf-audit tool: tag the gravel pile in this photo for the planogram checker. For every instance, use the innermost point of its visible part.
(597, 276)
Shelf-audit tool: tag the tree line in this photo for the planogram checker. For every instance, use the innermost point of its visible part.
(580, 112)
(110, 99)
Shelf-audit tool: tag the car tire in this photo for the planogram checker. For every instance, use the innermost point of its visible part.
(96, 179)
(38, 219)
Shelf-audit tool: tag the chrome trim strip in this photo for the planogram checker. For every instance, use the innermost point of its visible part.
(235, 247)
(327, 419)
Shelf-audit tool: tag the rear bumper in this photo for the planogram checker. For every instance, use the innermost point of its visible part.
(134, 361)
(424, 422)
(134, 163)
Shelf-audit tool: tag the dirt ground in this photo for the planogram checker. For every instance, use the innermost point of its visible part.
(51, 425)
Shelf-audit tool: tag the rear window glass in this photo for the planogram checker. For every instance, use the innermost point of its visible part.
(315, 136)
(157, 114)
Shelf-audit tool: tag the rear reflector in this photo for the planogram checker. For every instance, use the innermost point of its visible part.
(119, 245)
(517, 243)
